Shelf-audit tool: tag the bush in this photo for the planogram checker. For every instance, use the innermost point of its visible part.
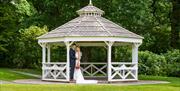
(173, 63)
(151, 64)
(167, 64)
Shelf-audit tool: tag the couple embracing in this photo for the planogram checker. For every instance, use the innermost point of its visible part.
(75, 71)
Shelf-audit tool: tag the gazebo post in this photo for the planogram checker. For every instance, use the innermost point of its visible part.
(135, 53)
(135, 57)
(109, 44)
(43, 45)
(49, 53)
(43, 53)
(68, 44)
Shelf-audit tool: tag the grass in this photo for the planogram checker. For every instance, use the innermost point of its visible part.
(33, 71)
(173, 86)
(8, 75)
(22, 87)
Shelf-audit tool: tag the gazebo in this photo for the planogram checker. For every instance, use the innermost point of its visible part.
(90, 29)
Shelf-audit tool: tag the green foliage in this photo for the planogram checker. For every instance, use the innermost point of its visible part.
(58, 53)
(123, 54)
(151, 64)
(149, 18)
(98, 54)
(28, 52)
(173, 62)
(167, 64)
(8, 29)
(158, 41)
(23, 7)
(173, 56)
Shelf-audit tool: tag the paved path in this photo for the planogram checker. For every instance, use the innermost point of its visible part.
(5, 82)
(39, 81)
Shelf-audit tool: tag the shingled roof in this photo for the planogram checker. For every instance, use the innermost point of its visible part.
(90, 23)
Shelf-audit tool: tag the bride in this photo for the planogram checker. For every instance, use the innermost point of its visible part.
(77, 73)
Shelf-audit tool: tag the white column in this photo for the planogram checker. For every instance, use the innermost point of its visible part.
(109, 59)
(49, 53)
(43, 45)
(43, 53)
(135, 58)
(135, 52)
(68, 44)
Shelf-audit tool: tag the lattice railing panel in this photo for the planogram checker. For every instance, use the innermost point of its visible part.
(54, 71)
(123, 71)
(94, 69)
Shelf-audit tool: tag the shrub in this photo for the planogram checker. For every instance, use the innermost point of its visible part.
(151, 64)
(173, 62)
(167, 64)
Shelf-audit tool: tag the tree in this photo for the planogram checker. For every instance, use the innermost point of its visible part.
(8, 29)
(28, 51)
(175, 24)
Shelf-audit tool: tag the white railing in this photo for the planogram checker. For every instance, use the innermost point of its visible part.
(120, 71)
(94, 69)
(54, 71)
(124, 71)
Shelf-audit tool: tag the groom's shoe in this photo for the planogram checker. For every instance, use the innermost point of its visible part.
(72, 81)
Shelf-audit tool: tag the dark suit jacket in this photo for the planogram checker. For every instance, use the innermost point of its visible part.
(72, 54)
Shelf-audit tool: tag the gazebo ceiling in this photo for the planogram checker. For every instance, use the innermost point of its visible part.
(90, 24)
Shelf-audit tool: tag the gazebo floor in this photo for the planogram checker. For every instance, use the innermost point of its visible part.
(100, 81)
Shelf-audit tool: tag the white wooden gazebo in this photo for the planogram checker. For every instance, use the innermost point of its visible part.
(90, 29)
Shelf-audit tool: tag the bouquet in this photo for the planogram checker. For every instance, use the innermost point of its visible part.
(78, 66)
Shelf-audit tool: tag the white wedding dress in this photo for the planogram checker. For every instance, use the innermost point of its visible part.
(79, 77)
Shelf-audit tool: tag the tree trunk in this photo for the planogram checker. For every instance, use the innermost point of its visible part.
(175, 24)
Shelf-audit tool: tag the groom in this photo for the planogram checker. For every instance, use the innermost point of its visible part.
(72, 61)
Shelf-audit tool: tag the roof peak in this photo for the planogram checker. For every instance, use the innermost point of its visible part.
(90, 2)
(90, 10)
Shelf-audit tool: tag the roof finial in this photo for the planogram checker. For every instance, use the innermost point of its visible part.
(90, 2)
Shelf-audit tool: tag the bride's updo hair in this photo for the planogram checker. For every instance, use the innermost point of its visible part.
(77, 47)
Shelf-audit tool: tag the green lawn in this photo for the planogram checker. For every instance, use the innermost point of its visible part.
(173, 86)
(8, 75)
(33, 71)
(22, 87)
